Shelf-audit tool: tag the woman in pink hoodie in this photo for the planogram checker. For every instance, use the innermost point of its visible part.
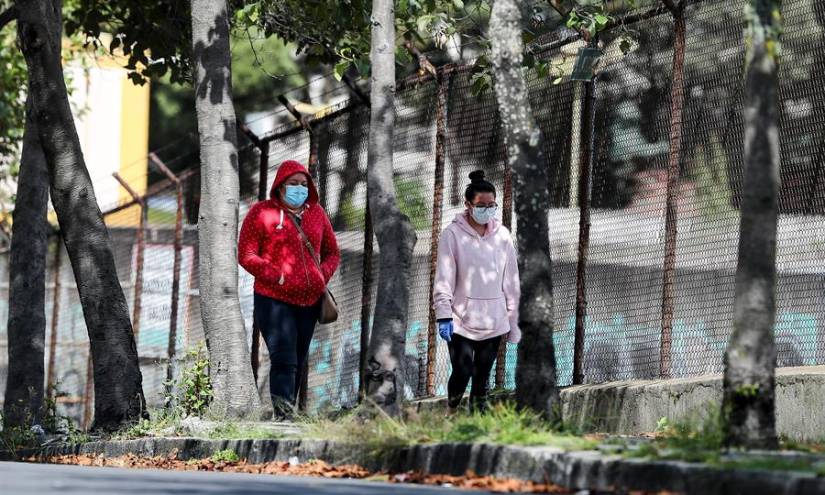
(476, 292)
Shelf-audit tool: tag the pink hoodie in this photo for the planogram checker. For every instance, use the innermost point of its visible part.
(477, 281)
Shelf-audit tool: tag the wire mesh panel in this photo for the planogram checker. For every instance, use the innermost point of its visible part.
(413, 164)
(711, 188)
(334, 353)
(624, 276)
(474, 142)
(561, 123)
(627, 237)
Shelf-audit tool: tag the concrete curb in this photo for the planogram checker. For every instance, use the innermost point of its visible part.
(589, 470)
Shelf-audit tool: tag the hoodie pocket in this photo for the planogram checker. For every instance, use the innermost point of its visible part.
(484, 314)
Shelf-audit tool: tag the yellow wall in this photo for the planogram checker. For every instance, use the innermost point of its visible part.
(134, 148)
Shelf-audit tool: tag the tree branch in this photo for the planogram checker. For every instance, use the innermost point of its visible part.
(674, 8)
(558, 7)
(10, 14)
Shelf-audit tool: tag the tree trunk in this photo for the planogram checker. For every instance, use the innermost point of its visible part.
(23, 404)
(748, 403)
(117, 377)
(384, 375)
(230, 371)
(536, 371)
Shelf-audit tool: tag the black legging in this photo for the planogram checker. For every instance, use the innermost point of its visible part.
(287, 331)
(471, 359)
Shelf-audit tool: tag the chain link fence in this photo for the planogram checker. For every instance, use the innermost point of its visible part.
(443, 133)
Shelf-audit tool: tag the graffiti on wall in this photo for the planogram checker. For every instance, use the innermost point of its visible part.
(608, 343)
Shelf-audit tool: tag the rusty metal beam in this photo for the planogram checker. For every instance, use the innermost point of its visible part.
(301, 118)
(507, 220)
(50, 377)
(671, 212)
(438, 205)
(141, 247)
(178, 246)
(367, 279)
(587, 161)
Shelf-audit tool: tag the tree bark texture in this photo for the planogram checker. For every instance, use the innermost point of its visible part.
(536, 370)
(384, 375)
(749, 387)
(117, 377)
(230, 371)
(23, 405)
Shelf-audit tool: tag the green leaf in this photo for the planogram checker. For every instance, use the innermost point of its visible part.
(601, 20)
(459, 4)
(481, 83)
(573, 20)
(363, 67)
(558, 80)
(527, 37)
(340, 69)
(529, 60)
(542, 69)
(423, 22)
(402, 56)
(625, 46)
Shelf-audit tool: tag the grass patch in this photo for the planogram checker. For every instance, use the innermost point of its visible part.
(702, 441)
(692, 441)
(158, 424)
(502, 424)
(233, 431)
(774, 464)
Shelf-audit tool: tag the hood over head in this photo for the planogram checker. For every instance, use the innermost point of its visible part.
(286, 170)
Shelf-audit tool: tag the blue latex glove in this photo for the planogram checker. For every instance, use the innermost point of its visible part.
(445, 329)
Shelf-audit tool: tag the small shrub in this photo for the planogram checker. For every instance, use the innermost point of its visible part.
(192, 393)
(227, 456)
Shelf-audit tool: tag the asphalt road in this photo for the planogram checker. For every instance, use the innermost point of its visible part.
(23, 478)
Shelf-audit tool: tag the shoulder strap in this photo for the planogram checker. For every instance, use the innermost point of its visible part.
(306, 240)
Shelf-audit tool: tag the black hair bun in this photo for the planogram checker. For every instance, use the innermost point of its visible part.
(477, 176)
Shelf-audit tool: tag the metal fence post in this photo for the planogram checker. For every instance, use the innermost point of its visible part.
(312, 166)
(50, 377)
(507, 220)
(263, 193)
(88, 392)
(141, 246)
(178, 246)
(669, 268)
(587, 160)
(366, 301)
(438, 204)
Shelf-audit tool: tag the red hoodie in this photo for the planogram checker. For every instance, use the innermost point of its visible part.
(272, 250)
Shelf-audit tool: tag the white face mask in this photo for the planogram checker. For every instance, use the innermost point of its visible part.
(483, 214)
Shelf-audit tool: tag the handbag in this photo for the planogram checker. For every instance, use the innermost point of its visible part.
(329, 307)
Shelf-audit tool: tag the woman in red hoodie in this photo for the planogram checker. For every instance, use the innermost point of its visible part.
(288, 282)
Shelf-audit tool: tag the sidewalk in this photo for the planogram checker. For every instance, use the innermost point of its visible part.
(602, 470)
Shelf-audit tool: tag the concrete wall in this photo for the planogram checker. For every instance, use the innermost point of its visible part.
(633, 407)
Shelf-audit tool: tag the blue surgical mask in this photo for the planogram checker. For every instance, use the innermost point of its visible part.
(483, 214)
(296, 196)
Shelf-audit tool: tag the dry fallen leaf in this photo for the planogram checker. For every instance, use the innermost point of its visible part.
(316, 468)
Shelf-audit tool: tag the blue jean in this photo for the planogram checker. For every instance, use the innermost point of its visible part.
(287, 331)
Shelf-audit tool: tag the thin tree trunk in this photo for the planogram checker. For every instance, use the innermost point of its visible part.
(117, 376)
(23, 404)
(230, 371)
(384, 375)
(536, 371)
(749, 388)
